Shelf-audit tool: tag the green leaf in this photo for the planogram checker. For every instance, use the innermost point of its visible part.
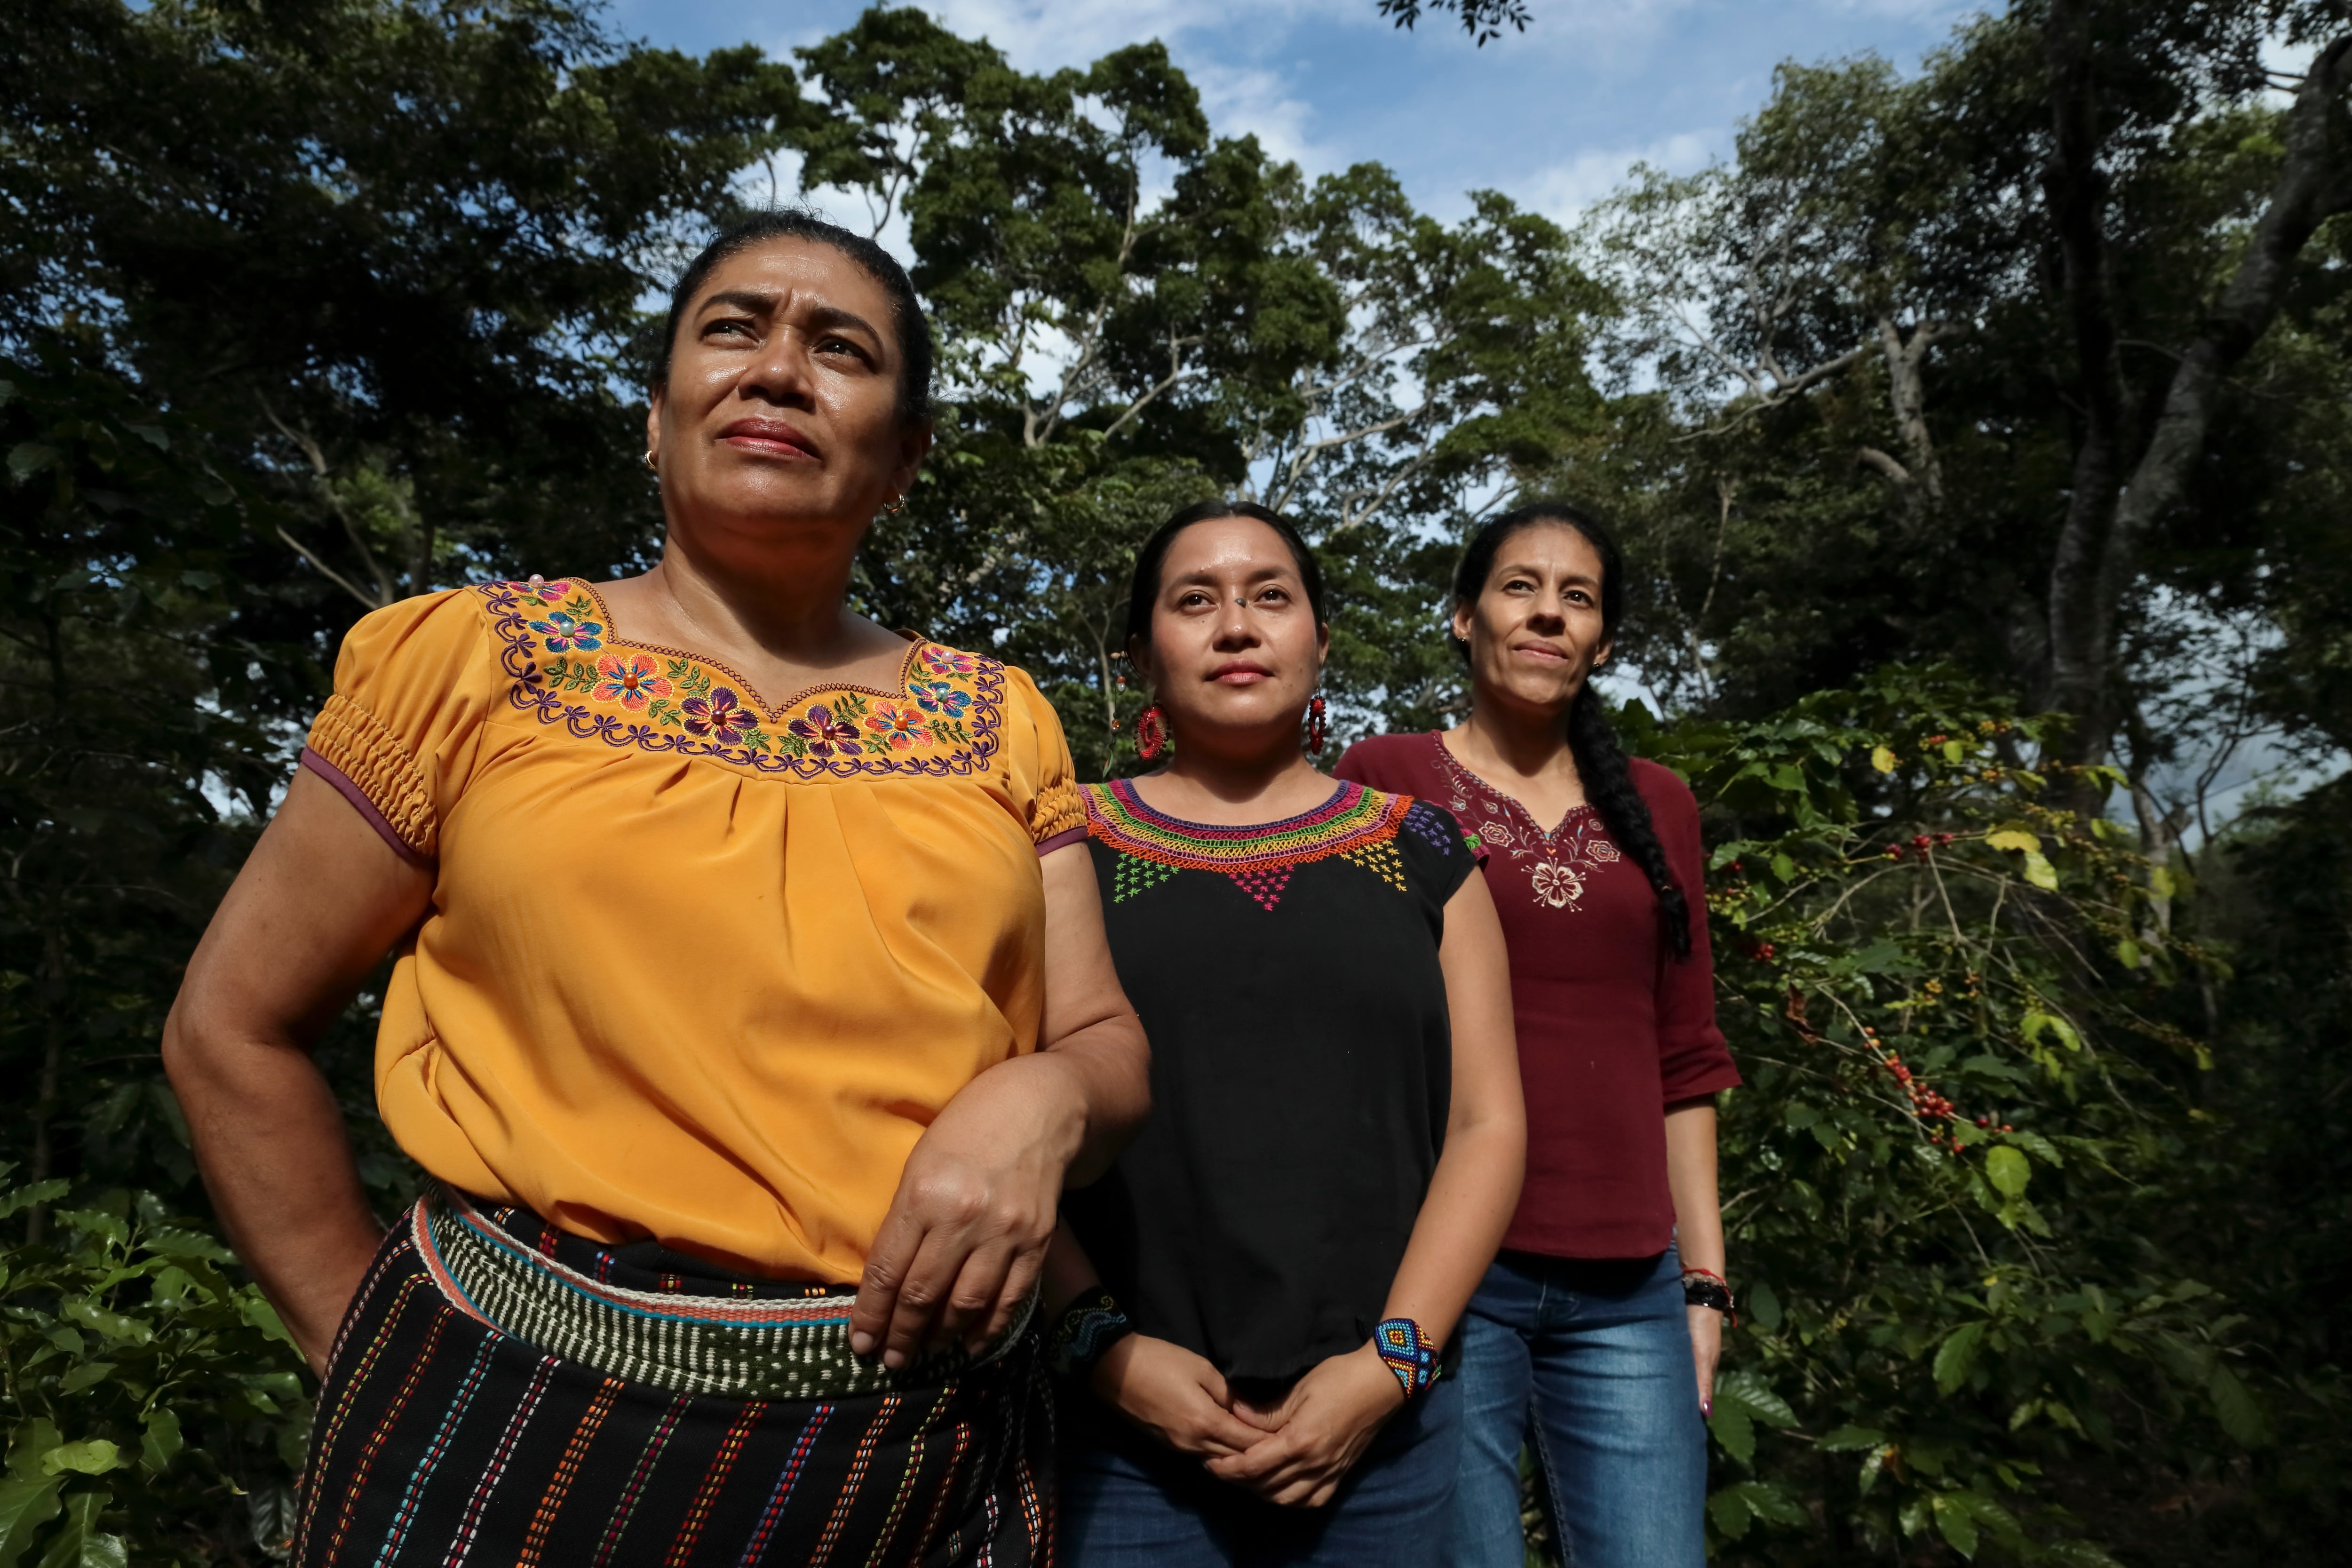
(38, 1192)
(1747, 1390)
(27, 1444)
(1770, 1502)
(1734, 1430)
(113, 1325)
(81, 1544)
(2040, 1148)
(2040, 873)
(1784, 869)
(1763, 1306)
(2233, 1405)
(163, 1442)
(24, 1506)
(2015, 839)
(92, 1456)
(2008, 1171)
(29, 458)
(1850, 1439)
(1956, 1523)
(1735, 1507)
(1884, 759)
(1729, 1511)
(84, 1376)
(1957, 1355)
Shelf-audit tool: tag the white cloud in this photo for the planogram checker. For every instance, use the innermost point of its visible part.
(1045, 35)
(1563, 191)
(1249, 101)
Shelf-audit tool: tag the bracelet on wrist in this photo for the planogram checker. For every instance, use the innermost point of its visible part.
(1705, 1288)
(1088, 1328)
(1406, 1352)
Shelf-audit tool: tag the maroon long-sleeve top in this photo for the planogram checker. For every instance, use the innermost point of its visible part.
(1613, 1028)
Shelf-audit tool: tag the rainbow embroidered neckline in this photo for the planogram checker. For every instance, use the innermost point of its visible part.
(1357, 823)
(568, 668)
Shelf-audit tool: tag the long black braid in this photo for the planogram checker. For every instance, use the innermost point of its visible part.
(1592, 739)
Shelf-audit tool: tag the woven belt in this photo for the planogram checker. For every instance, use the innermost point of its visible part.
(740, 1348)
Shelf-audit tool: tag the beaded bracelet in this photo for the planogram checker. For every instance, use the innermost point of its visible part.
(1088, 1328)
(1407, 1351)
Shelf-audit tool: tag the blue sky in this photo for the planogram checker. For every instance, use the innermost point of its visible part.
(1551, 117)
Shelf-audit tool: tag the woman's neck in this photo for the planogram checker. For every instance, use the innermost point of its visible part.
(1523, 755)
(1233, 789)
(1518, 745)
(779, 616)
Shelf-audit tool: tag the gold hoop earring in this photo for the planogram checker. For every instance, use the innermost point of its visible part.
(651, 466)
(894, 506)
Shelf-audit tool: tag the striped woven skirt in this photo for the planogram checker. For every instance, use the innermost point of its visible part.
(501, 1393)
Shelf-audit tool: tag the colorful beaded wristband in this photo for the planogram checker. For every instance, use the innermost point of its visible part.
(1405, 1351)
(1088, 1326)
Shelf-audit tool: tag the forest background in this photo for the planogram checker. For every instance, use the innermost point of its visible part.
(1982, 440)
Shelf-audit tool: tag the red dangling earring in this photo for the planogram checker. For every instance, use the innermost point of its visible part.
(1150, 732)
(1317, 725)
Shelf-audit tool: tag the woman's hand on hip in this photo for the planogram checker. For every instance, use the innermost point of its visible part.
(1317, 1434)
(966, 1233)
(1176, 1396)
(1707, 1348)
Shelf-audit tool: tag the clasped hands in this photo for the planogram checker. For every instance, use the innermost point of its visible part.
(1295, 1453)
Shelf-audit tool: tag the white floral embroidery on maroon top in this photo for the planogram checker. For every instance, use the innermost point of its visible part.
(1561, 858)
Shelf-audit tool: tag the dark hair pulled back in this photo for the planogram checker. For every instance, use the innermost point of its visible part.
(1144, 589)
(1600, 760)
(908, 322)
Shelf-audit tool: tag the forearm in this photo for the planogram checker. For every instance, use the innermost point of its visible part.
(1104, 1068)
(1069, 1272)
(271, 1144)
(1691, 1179)
(1471, 1197)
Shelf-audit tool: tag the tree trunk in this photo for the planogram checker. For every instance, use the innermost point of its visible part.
(2095, 564)
(2081, 626)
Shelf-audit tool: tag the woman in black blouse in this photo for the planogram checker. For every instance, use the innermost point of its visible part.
(1262, 1293)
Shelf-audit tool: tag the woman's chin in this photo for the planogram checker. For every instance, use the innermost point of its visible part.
(1548, 690)
(1239, 730)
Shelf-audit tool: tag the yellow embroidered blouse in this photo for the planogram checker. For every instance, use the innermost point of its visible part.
(696, 969)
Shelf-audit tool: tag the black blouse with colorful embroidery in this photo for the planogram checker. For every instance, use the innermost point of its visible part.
(1288, 977)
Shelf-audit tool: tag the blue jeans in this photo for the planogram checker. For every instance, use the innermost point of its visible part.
(1128, 1503)
(1589, 1361)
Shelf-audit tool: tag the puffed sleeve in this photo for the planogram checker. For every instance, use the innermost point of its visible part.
(1692, 1058)
(399, 735)
(1056, 812)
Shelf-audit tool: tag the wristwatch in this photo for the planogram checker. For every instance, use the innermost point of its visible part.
(1704, 1287)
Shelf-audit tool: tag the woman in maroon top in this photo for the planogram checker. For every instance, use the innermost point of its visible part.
(1595, 1333)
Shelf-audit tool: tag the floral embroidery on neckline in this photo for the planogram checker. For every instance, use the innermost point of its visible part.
(567, 668)
(1562, 859)
(1357, 823)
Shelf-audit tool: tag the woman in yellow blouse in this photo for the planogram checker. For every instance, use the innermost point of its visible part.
(749, 1008)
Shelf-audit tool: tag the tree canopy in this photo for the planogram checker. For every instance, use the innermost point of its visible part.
(1979, 438)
